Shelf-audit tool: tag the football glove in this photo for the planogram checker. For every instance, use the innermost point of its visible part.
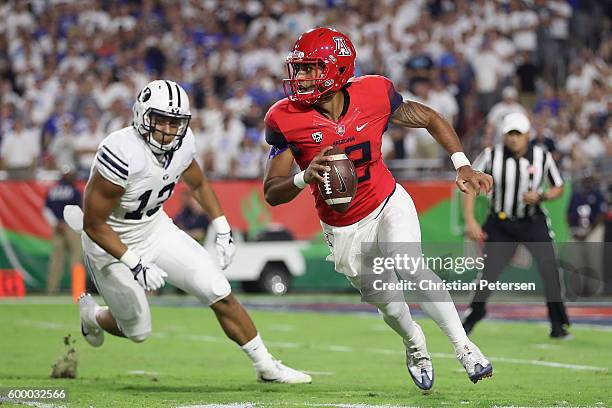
(225, 249)
(150, 277)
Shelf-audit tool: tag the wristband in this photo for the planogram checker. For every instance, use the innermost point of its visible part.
(298, 180)
(459, 160)
(130, 259)
(221, 225)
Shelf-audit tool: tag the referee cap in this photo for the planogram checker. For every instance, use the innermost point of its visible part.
(516, 121)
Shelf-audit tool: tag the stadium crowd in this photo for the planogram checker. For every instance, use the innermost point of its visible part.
(70, 70)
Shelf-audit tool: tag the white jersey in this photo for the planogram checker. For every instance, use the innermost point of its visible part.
(125, 159)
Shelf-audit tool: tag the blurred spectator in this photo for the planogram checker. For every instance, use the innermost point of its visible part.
(499, 111)
(62, 148)
(59, 58)
(587, 211)
(488, 73)
(63, 238)
(544, 137)
(586, 214)
(526, 72)
(19, 150)
(548, 101)
(250, 156)
(86, 144)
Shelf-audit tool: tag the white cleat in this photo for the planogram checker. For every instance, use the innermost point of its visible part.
(275, 372)
(418, 362)
(475, 363)
(89, 327)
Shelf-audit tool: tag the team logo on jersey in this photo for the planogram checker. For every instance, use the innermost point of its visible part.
(341, 47)
(340, 129)
(317, 137)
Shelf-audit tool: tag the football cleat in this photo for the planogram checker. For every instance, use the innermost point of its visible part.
(92, 332)
(274, 371)
(419, 363)
(475, 363)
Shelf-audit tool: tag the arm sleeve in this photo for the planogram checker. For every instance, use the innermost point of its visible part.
(112, 164)
(394, 97)
(483, 161)
(552, 172)
(274, 137)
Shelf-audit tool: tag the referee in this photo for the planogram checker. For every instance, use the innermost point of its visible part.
(519, 172)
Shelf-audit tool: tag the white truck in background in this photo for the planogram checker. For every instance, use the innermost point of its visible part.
(264, 265)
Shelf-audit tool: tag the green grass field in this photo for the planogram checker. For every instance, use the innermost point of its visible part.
(354, 359)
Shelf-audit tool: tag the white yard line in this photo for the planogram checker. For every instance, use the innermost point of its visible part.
(142, 372)
(318, 372)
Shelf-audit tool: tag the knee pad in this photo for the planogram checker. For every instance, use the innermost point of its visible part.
(394, 310)
(139, 338)
(220, 286)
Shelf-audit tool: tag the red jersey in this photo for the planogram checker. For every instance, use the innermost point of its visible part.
(369, 102)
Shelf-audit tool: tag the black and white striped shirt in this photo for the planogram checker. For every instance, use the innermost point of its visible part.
(512, 177)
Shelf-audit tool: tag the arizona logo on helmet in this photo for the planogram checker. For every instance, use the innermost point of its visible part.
(341, 47)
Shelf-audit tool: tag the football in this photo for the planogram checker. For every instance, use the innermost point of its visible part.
(340, 185)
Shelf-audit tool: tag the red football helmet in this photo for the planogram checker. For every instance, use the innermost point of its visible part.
(334, 57)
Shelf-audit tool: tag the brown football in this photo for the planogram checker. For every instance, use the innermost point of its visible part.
(340, 184)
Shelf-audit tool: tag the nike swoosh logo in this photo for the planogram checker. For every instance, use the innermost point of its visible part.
(359, 128)
(342, 188)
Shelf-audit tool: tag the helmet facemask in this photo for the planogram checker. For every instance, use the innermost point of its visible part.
(308, 90)
(170, 129)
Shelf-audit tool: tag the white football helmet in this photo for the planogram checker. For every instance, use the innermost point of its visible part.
(166, 102)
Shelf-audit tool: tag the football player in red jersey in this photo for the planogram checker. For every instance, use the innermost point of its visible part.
(325, 106)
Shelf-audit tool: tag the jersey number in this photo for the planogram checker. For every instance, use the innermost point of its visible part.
(366, 156)
(144, 200)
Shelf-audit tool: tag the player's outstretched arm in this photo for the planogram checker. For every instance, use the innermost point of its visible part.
(412, 114)
(101, 197)
(280, 186)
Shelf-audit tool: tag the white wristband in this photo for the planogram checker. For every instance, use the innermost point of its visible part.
(130, 259)
(459, 160)
(298, 180)
(221, 225)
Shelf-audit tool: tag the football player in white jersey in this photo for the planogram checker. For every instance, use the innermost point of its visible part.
(132, 246)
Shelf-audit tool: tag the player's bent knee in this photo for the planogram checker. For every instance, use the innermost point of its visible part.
(394, 310)
(221, 287)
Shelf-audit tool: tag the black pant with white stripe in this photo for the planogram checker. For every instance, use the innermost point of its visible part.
(503, 237)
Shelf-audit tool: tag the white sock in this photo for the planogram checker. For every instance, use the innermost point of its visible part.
(446, 317)
(256, 350)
